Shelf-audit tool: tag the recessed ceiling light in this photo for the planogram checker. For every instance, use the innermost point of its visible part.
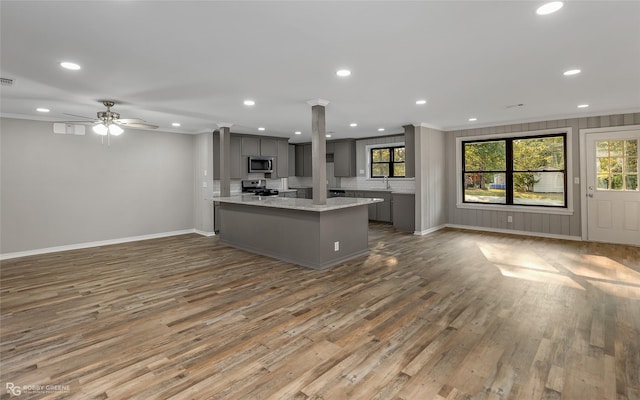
(583, 106)
(473, 119)
(41, 109)
(327, 135)
(70, 65)
(261, 128)
(343, 72)
(380, 129)
(549, 8)
(421, 102)
(298, 133)
(249, 102)
(175, 124)
(571, 72)
(353, 124)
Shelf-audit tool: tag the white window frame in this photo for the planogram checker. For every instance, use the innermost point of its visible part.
(518, 208)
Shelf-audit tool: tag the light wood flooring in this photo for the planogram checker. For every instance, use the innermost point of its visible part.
(451, 315)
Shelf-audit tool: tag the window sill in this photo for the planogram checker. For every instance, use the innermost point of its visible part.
(512, 208)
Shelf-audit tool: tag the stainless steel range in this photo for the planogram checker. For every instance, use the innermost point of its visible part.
(259, 187)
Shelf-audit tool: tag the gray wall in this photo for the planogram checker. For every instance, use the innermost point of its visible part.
(566, 225)
(431, 198)
(59, 190)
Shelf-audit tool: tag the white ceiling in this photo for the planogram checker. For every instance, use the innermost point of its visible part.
(194, 62)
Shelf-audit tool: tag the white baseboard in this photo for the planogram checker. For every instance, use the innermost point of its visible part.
(77, 246)
(204, 233)
(511, 232)
(430, 230)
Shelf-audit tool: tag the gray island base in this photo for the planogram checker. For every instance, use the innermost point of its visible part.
(296, 230)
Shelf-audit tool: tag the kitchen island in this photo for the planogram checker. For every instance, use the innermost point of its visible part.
(296, 230)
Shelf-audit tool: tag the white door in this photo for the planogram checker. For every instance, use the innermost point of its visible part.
(613, 196)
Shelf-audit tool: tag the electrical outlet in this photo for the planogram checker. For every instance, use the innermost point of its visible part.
(205, 172)
(510, 218)
(336, 246)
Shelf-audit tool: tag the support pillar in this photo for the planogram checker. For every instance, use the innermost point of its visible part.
(318, 150)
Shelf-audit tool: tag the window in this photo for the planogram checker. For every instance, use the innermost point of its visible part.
(524, 171)
(387, 161)
(617, 164)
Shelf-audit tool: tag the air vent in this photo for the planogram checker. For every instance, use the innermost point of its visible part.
(6, 81)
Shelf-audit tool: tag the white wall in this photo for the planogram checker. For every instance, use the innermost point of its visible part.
(59, 190)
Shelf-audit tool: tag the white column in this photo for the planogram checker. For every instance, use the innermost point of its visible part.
(318, 150)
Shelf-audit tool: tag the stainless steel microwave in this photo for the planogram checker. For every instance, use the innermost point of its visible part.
(260, 164)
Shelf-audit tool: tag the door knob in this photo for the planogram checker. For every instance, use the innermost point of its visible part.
(590, 195)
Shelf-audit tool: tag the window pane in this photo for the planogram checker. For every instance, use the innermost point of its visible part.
(615, 165)
(616, 182)
(398, 154)
(603, 182)
(380, 170)
(485, 156)
(380, 155)
(602, 148)
(631, 164)
(398, 170)
(602, 165)
(616, 147)
(632, 182)
(631, 148)
(538, 188)
(538, 154)
(484, 188)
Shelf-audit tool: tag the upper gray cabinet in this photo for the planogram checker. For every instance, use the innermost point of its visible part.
(250, 146)
(409, 151)
(307, 161)
(292, 160)
(235, 157)
(268, 147)
(344, 158)
(282, 158)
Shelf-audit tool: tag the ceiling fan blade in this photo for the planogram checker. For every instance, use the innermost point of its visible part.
(128, 121)
(138, 125)
(81, 116)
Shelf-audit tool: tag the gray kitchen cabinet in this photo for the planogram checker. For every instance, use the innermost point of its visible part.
(404, 211)
(282, 159)
(330, 147)
(292, 194)
(268, 147)
(292, 160)
(236, 170)
(299, 167)
(307, 167)
(409, 151)
(377, 211)
(304, 193)
(344, 158)
(250, 146)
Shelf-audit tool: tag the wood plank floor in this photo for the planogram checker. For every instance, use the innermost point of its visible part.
(451, 315)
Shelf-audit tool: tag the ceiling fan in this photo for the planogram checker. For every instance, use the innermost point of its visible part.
(109, 122)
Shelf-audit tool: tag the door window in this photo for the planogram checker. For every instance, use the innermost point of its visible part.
(617, 164)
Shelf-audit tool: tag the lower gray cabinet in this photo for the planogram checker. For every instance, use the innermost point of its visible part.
(377, 211)
(404, 211)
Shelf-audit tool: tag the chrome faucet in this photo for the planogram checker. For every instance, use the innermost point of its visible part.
(386, 182)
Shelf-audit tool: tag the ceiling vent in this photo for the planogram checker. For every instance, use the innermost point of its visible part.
(6, 81)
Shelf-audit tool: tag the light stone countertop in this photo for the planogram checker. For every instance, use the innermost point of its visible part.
(290, 203)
